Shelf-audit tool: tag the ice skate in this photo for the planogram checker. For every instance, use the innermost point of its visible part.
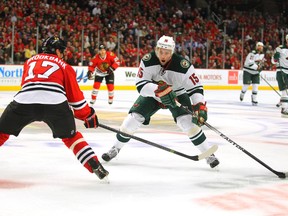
(254, 103)
(284, 112)
(241, 96)
(254, 100)
(110, 101)
(279, 104)
(212, 161)
(92, 102)
(112, 153)
(98, 169)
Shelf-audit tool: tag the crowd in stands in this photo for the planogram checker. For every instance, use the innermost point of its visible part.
(218, 36)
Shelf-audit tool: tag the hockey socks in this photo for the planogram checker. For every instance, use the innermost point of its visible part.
(81, 149)
(3, 138)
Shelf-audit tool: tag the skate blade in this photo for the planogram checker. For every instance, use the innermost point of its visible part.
(105, 180)
(216, 169)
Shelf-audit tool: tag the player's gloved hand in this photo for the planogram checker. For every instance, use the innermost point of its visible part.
(110, 70)
(260, 67)
(200, 111)
(90, 75)
(276, 55)
(166, 94)
(91, 121)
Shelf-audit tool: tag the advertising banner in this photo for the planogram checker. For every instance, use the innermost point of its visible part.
(10, 78)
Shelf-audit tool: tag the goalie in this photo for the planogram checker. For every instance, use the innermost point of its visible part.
(164, 77)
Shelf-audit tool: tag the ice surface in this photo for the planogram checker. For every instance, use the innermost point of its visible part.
(40, 176)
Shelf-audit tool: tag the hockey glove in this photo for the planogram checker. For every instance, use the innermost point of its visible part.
(91, 121)
(276, 56)
(166, 94)
(110, 70)
(260, 67)
(90, 75)
(200, 111)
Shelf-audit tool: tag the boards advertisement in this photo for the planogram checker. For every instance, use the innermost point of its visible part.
(10, 78)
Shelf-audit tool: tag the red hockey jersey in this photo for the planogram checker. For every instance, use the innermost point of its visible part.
(48, 79)
(101, 65)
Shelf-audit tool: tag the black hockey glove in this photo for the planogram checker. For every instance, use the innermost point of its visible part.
(90, 75)
(110, 70)
(166, 94)
(200, 111)
(91, 121)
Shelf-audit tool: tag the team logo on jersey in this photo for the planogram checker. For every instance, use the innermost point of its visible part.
(184, 63)
(104, 66)
(147, 57)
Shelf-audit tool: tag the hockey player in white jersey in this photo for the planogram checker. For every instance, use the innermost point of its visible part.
(253, 65)
(162, 78)
(281, 58)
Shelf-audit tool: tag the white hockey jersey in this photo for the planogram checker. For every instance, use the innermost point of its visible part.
(178, 73)
(252, 61)
(283, 60)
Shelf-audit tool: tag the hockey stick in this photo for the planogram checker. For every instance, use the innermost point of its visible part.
(270, 85)
(278, 104)
(201, 156)
(279, 174)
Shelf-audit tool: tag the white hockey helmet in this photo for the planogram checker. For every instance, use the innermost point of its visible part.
(166, 42)
(259, 44)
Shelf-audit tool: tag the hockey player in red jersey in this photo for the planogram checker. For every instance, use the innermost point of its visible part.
(49, 92)
(102, 66)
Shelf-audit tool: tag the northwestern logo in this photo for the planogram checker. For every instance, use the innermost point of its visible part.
(11, 73)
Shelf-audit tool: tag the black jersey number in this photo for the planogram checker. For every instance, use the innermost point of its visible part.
(194, 79)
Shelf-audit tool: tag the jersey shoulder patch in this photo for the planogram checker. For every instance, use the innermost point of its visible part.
(184, 63)
(179, 64)
(150, 59)
(146, 57)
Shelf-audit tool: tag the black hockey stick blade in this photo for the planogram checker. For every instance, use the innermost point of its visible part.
(201, 156)
(279, 174)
